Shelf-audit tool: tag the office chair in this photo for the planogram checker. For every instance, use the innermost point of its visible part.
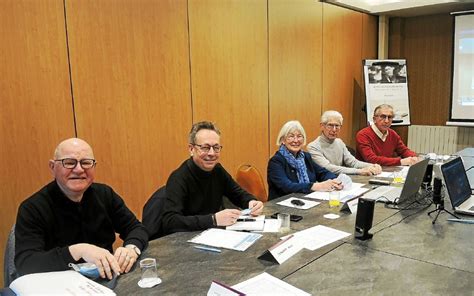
(250, 179)
(153, 214)
(9, 270)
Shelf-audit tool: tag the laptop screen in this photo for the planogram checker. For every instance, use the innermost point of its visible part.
(456, 181)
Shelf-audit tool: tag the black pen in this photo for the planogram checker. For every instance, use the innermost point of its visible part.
(246, 220)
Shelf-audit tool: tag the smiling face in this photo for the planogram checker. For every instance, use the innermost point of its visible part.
(205, 139)
(74, 181)
(294, 141)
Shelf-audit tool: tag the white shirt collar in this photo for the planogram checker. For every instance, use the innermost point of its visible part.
(379, 133)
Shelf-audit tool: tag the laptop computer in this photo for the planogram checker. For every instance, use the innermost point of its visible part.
(403, 194)
(458, 187)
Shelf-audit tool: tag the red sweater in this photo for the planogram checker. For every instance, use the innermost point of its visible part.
(371, 148)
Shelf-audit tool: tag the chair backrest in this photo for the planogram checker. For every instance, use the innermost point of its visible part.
(153, 213)
(250, 179)
(351, 150)
(9, 270)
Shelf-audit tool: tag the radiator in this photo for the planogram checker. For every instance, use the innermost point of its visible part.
(439, 139)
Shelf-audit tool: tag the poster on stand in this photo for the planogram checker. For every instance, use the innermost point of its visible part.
(386, 83)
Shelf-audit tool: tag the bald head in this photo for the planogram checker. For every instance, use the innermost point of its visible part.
(71, 167)
(74, 144)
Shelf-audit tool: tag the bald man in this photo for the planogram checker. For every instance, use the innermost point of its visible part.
(73, 220)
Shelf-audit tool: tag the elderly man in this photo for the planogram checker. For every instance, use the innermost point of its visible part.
(380, 144)
(194, 191)
(73, 220)
(330, 152)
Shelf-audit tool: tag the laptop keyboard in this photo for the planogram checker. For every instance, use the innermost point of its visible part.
(388, 192)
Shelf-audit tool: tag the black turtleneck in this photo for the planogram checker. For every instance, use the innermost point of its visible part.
(194, 195)
(48, 223)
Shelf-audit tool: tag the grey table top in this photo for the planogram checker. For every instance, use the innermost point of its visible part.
(413, 244)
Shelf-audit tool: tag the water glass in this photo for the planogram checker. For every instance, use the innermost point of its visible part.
(284, 222)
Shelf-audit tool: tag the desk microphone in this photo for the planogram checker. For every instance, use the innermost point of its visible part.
(365, 215)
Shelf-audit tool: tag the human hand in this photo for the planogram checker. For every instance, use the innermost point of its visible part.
(102, 258)
(125, 258)
(409, 160)
(256, 207)
(227, 217)
(376, 169)
(365, 171)
(328, 185)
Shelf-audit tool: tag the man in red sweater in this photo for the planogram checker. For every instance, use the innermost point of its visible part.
(378, 143)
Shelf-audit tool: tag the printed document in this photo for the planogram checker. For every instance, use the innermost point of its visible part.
(354, 191)
(228, 239)
(318, 236)
(266, 284)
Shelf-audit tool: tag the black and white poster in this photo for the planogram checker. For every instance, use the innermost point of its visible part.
(386, 83)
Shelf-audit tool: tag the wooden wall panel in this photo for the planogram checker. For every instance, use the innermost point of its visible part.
(295, 65)
(35, 99)
(342, 64)
(130, 73)
(426, 43)
(229, 73)
(369, 51)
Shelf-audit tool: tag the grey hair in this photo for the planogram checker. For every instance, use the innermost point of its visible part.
(383, 106)
(331, 114)
(199, 126)
(290, 126)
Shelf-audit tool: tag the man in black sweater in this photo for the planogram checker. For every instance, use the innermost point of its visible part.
(73, 220)
(195, 190)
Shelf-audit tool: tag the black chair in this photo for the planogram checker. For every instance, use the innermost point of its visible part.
(9, 270)
(153, 212)
(351, 151)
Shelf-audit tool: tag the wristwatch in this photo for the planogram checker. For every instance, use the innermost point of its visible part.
(135, 249)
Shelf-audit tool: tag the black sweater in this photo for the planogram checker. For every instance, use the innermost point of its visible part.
(48, 223)
(194, 195)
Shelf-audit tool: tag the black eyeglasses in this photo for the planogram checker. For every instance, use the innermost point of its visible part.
(207, 148)
(383, 116)
(70, 163)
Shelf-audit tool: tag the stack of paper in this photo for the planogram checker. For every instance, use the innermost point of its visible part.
(227, 239)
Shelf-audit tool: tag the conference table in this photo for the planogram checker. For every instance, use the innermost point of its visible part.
(408, 254)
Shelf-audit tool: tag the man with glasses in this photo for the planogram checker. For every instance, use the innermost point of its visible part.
(195, 191)
(380, 144)
(73, 220)
(330, 152)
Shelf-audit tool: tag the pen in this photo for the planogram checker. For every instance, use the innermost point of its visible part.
(246, 220)
(210, 249)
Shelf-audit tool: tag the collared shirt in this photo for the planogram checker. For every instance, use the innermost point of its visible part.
(382, 137)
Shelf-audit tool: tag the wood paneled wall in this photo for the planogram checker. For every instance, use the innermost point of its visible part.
(35, 101)
(426, 43)
(229, 75)
(295, 66)
(130, 71)
(131, 76)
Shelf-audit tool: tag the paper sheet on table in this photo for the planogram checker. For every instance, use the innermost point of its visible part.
(307, 203)
(324, 195)
(266, 284)
(345, 180)
(228, 239)
(271, 225)
(385, 175)
(258, 224)
(67, 282)
(319, 236)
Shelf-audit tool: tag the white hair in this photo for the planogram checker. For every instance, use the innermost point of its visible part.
(290, 126)
(331, 114)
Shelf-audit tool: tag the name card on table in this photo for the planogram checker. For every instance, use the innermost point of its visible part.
(282, 251)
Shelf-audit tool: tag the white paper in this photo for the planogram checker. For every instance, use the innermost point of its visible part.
(385, 175)
(228, 239)
(307, 203)
(319, 236)
(256, 225)
(67, 282)
(266, 284)
(345, 180)
(218, 289)
(271, 225)
(343, 194)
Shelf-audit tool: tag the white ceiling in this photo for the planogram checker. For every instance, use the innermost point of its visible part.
(406, 8)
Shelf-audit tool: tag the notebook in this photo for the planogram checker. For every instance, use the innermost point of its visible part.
(458, 187)
(403, 194)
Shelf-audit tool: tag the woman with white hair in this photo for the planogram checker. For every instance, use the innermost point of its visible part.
(330, 152)
(292, 170)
